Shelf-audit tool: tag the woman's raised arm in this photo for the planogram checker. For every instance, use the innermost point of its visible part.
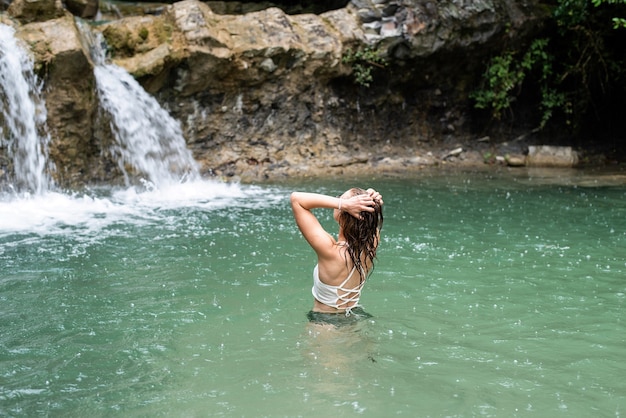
(302, 203)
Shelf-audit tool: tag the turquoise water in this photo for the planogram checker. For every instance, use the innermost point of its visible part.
(495, 294)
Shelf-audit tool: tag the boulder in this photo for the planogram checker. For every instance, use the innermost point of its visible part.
(515, 160)
(71, 100)
(27, 11)
(417, 28)
(551, 156)
(233, 52)
(222, 52)
(86, 9)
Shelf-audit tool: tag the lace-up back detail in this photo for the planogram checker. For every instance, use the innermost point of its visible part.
(338, 297)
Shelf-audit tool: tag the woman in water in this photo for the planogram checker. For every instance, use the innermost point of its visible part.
(343, 264)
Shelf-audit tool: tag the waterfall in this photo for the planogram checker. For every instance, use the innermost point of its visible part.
(23, 116)
(148, 143)
(147, 138)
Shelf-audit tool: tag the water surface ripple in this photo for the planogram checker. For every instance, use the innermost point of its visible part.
(494, 295)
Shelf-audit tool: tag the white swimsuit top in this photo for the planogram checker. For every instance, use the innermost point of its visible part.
(336, 296)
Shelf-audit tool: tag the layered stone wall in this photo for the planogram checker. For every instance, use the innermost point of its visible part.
(268, 94)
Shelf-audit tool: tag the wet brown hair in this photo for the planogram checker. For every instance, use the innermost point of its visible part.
(362, 235)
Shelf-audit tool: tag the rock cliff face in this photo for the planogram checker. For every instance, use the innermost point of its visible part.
(70, 98)
(267, 94)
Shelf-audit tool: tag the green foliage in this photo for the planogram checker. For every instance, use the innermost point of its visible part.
(500, 79)
(580, 63)
(143, 33)
(489, 157)
(505, 75)
(569, 13)
(362, 62)
(618, 22)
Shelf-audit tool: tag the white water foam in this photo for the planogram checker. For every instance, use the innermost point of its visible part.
(53, 213)
(47, 213)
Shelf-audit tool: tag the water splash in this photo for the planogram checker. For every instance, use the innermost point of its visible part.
(23, 116)
(93, 214)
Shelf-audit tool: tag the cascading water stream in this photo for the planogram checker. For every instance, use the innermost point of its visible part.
(148, 144)
(23, 116)
(147, 138)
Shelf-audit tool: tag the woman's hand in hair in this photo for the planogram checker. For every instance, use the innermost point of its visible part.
(357, 204)
(376, 197)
